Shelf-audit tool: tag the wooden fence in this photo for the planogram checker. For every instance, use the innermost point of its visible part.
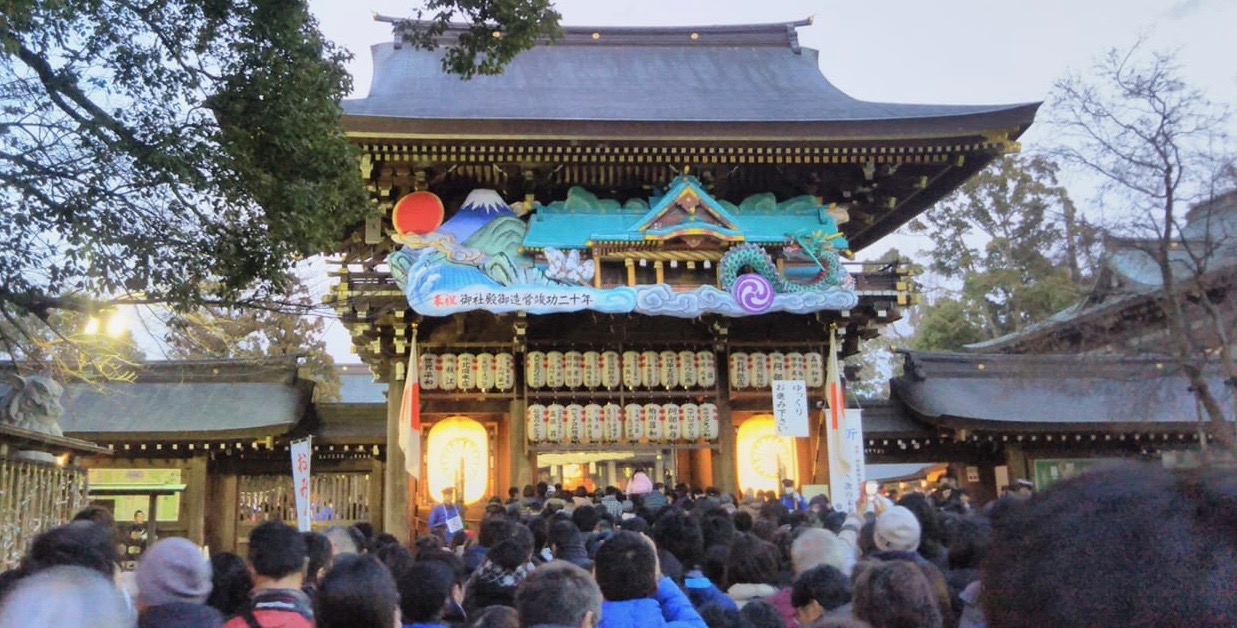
(34, 497)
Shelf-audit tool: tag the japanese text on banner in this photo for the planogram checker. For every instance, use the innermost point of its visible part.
(790, 407)
(301, 460)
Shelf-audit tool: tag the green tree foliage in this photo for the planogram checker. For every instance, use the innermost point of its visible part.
(290, 328)
(149, 148)
(493, 33)
(88, 347)
(1010, 238)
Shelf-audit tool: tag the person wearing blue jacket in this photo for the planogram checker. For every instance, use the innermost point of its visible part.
(680, 534)
(633, 590)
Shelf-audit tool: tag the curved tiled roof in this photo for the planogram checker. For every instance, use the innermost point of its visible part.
(734, 74)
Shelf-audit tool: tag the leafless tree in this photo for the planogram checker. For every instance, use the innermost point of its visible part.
(1160, 147)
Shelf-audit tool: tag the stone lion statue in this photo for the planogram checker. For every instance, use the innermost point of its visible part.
(33, 403)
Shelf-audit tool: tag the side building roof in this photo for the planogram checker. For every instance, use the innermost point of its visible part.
(1048, 393)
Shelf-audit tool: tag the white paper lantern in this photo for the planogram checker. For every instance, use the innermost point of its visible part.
(466, 371)
(690, 414)
(687, 369)
(485, 371)
(758, 370)
(739, 370)
(534, 369)
(504, 371)
(668, 369)
(815, 369)
(709, 424)
(631, 369)
(777, 366)
(796, 366)
(672, 425)
(428, 373)
(611, 370)
(648, 369)
(633, 422)
(573, 369)
(555, 415)
(554, 369)
(706, 369)
(612, 416)
(573, 424)
(594, 425)
(536, 415)
(654, 426)
(446, 371)
(591, 373)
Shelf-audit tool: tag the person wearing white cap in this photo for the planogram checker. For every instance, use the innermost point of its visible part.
(897, 530)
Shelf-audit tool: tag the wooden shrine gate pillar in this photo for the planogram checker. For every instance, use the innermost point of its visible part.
(397, 485)
(521, 469)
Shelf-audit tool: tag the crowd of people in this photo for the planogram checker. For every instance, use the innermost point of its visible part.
(1128, 545)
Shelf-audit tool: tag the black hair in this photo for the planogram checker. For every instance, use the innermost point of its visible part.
(897, 593)
(423, 590)
(714, 566)
(634, 524)
(453, 562)
(679, 533)
(557, 593)
(972, 536)
(931, 538)
(96, 514)
(358, 538)
(382, 540)
(1130, 544)
(717, 527)
(318, 549)
(358, 592)
(752, 560)
(563, 534)
(427, 542)
(80, 543)
(276, 550)
(540, 527)
(493, 530)
(761, 614)
(366, 529)
(529, 491)
(495, 616)
(230, 583)
(514, 550)
(625, 567)
(743, 521)
(396, 558)
(824, 584)
(585, 518)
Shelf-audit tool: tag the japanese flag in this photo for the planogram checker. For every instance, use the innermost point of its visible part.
(410, 414)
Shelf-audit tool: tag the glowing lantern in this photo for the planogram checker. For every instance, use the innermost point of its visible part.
(419, 213)
(738, 370)
(457, 450)
(764, 457)
(504, 371)
(687, 369)
(631, 369)
(777, 366)
(706, 369)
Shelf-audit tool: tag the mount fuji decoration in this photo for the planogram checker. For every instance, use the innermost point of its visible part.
(681, 253)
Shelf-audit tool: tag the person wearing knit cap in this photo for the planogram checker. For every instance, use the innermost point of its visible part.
(897, 530)
(173, 581)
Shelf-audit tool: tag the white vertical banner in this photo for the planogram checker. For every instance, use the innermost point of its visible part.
(790, 407)
(846, 460)
(301, 458)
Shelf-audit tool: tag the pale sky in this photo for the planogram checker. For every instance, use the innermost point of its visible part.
(942, 51)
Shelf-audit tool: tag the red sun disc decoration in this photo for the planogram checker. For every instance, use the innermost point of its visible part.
(419, 213)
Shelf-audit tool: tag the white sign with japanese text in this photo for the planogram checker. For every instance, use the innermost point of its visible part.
(301, 457)
(846, 460)
(790, 407)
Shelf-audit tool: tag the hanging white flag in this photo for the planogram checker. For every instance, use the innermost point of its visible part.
(302, 457)
(410, 413)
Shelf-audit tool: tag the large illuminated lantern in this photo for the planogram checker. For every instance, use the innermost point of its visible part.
(457, 454)
(764, 457)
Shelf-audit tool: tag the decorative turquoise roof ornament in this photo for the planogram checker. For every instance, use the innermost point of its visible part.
(582, 254)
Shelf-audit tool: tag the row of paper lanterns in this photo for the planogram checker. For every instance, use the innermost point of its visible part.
(611, 369)
(758, 369)
(611, 423)
(467, 371)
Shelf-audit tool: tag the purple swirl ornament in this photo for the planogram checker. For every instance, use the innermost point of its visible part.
(753, 293)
